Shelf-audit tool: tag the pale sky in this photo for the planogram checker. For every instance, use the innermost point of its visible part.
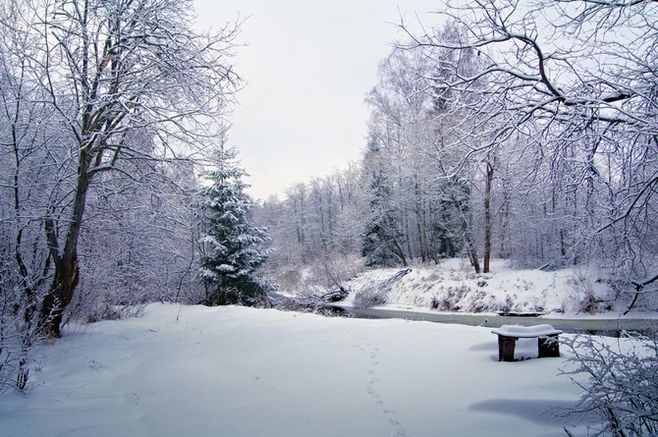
(308, 66)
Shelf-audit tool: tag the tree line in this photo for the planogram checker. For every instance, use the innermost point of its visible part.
(519, 130)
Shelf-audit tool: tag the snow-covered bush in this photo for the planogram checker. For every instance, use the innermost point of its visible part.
(14, 371)
(620, 383)
(588, 304)
(463, 298)
(507, 305)
(331, 272)
(289, 278)
(316, 277)
(369, 297)
(450, 298)
(479, 301)
(591, 292)
(18, 322)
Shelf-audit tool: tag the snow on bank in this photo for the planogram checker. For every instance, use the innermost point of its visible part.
(453, 286)
(232, 371)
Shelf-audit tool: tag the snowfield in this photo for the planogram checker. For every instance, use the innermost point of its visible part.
(234, 371)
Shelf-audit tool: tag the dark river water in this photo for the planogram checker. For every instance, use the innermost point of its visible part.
(607, 327)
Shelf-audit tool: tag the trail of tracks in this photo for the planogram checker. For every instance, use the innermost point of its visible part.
(373, 391)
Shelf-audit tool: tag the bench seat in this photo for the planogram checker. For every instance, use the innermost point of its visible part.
(526, 331)
(548, 344)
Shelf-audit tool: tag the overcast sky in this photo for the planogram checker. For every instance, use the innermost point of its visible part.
(308, 66)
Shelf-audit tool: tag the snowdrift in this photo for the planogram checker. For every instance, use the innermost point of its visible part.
(452, 286)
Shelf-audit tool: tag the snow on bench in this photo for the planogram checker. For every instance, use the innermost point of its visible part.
(548, 344)
(519, 331)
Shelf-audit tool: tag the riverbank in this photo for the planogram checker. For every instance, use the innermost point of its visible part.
(577, 292)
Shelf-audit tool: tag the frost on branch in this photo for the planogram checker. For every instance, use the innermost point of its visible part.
(619, 383)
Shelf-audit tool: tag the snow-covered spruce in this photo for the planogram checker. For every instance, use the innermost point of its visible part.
(230, 244)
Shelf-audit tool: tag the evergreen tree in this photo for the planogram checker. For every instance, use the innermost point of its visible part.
(381, 239)
(231, 245)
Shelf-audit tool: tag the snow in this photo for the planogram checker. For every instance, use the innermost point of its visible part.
(233, 371)
(455, 287)
(526, 331)
(225, 268)
(639, 315)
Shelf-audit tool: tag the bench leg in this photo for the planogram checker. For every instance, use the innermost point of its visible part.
(548, 346)
(506, 348)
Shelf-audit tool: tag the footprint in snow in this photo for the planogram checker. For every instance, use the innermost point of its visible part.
(372, 391)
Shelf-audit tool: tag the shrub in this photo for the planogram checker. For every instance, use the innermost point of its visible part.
(506, 306)
(479, 301)
(588, 304)
(450, 298)
(369, 297)
(620, 385)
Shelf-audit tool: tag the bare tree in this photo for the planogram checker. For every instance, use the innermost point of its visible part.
(576, 82)
(26, 181)
(127, 81)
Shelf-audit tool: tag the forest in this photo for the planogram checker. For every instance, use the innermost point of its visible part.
(486, 140)
(526, 132)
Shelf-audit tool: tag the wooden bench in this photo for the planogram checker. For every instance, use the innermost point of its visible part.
(548, 344)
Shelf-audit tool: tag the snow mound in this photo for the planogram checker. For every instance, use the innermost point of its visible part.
(452, 286)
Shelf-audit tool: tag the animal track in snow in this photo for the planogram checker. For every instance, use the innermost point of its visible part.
(372, 390)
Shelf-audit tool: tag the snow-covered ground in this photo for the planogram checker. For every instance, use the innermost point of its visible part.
(452, 286)
(233, 371)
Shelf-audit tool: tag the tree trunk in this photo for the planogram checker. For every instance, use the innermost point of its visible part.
(467, 233)
(420, 222)
(400, 252)
(487, 217)
(59, 297)
(504, 227)
(67, 270)
(472, 254)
